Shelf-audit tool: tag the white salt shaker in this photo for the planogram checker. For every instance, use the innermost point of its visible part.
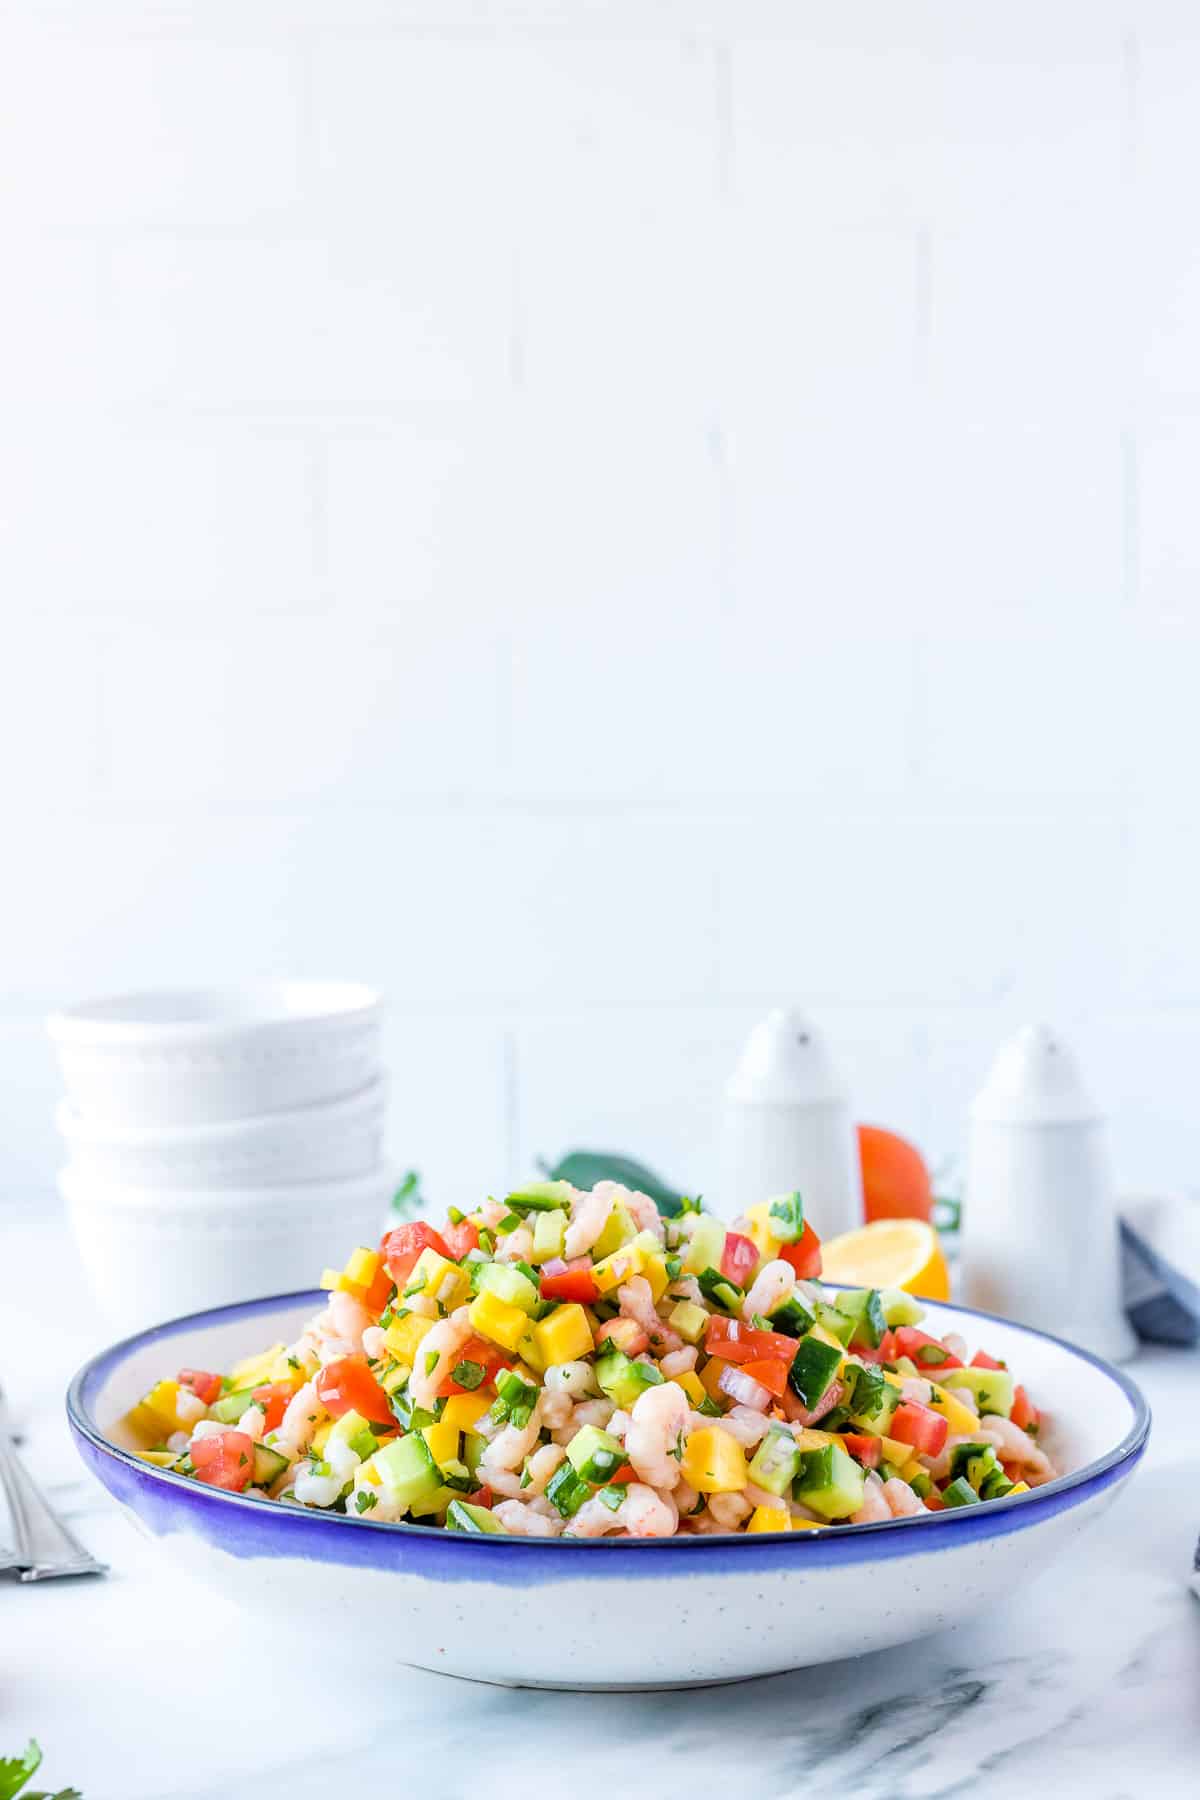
(1039, 1224)
(787, 1126)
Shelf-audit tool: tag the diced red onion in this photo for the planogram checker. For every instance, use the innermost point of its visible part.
(744, 1389)
(556, 1266)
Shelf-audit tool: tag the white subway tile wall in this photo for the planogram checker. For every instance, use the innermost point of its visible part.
(600, 519)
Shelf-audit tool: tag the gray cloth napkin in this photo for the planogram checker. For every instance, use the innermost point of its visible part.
(1160, 1267)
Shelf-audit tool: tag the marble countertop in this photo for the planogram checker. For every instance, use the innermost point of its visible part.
(143, 1686)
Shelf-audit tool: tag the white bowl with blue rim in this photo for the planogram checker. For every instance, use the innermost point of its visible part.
(625, 1613)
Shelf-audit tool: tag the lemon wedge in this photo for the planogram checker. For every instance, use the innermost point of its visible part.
(896, 1253)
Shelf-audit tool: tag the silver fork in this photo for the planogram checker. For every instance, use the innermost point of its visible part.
(44, 1546)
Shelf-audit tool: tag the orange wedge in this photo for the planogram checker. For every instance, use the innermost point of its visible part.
(895, 1253)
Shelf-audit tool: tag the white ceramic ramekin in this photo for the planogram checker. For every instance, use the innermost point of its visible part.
(334, 1141)
(150, 1253)
(190, 1057)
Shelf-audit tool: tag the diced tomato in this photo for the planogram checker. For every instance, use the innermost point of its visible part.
(349, 1386)
(573, 1282)
(919, 1426)
(274, 1399)
(224, 1459)
(805, 1254)
(1024, 1412)
(461, 1238)
(934, 1503)
(483, 1496)
(981, 1360)
(735, 1342)
(206, 1387)
(929, 1353)
(864, 1448)
(1013, 1470)
(400, 1248)
(769, 1373)
(739, 1257)
(622, 1334)
(621, 1475)
(379, 1292)
(477, 1350)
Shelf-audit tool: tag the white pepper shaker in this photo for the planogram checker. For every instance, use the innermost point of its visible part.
(1039, 1223)
(787, 1126)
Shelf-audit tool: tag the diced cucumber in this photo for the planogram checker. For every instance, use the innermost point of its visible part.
(473, 1448)
(230, 1407)
(508, 1284)
(705, 1247)
(830, 1482)
(792, 1316)
(992, 1388)
(785, 1218)
(865, 1307)
(354, 1430)
(567, 1490)
(960, 1493)
(462, 1516)
(595, 1454)
(623, 1380)
(408, 1470)
(549, 1230)
(268, 1465)
(721, 1291)
(870, 1400)
(541, 1196)
(979, 1464)
(900, 1308)
(515, 1400)
(619, 1229)
(837, 1323)
(814, 1369)
(776, 1462)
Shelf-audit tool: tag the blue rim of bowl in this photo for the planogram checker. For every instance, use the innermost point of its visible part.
(995, 1518)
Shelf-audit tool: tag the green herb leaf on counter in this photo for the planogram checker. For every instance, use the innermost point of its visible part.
(16, 1770)
(408, 1197)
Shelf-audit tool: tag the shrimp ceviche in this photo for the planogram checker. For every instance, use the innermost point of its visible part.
(571, 1364)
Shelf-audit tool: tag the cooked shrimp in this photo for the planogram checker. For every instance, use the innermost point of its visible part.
(874, 1504)
(729, 1510)
(557, 1410)
(678, 1362)
(531, 1481)
(644, 1213)
(589, 1215)
(516, 1247)
(637, 1302)
(349, 1318)
(957, 1346)
(656, 1432)
(523, 1521)
(374, 1342)
(304, 1413)
(574, 1378)
(594, 1412)
(902, 1502)
(769, 1289)
(1016, 1445)
(686, 1499)
(435, 1358)
(743, 1423)
(509, 1448)
(642, 1513)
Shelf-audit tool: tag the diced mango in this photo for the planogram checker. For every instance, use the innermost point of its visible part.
(808, 1438)
(960, 1418)
(760, 1235)
(692, 1386)
(362, 1267)
(254, 1370)
(619, 1229)
(689, 1320)
(655, 1272)
(320, 1436)
(395, 1378)
(462, 1410)
(161, 1459)
(629, 1260)
(331, 1279)
(912, 1468)
(806, 1525)
(156, 1414)
(710, 1380)
(404, 1335)
(282, 1370)
(563, 1335)
(895, 1452)
(494, 1319)
(713, 1462)
(442, 1440)
(530, 1352)
(1018, 1487)
(770, 1518)
(438, 1279)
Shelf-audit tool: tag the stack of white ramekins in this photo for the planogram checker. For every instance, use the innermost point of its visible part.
(223, 1144)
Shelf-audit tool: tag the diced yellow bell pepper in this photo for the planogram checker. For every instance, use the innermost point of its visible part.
(915, 1467)
(655, 1272)
(443, 1281)
(161, 1459)
(462, 1411)
(770, 1518)
(563, 1335)
(960, 1418)
(362, 1267)
(806, 1525)
(320, 1436)
(692, 1386)
(710, 1380)
(1018, 1487)
(281, 1370)
(156, 1414)
(689, 1320)
(403, 1336)
(713, 1462)
(367, 1472)
(760, 1235)
(495, 1319)
(442, 1440)
(895, 1452)
(330, 1279)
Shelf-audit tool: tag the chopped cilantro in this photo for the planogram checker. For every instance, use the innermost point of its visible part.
(468, 1374)
(364, 1500)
